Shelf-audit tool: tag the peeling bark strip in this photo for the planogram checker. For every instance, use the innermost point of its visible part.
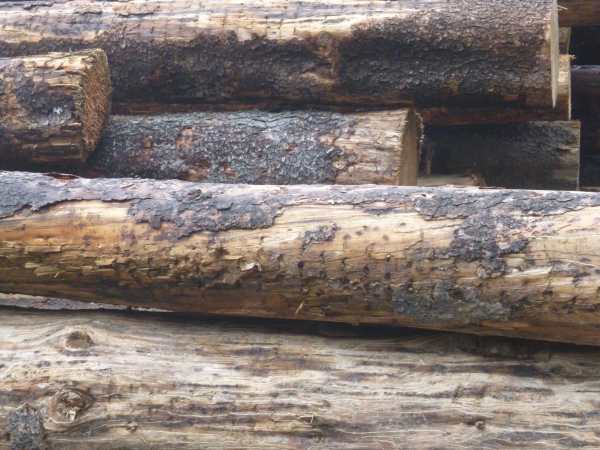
(537, 155)
(469, 115)
(579, 13)
(257, 147)
(114, 381)
(53, 107)
(501, 262)
(340, 51)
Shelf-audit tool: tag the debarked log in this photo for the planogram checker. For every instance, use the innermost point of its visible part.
(360, 51)
(102, 381)
(519, 263)
(257, 147)
(53, 107)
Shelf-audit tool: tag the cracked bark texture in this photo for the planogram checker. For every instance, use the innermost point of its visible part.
(256, 147)
(101, 381)
(516, 263)
(469, 115)
(53, 107)
(537, 155)
(358, 51)
(578, 13)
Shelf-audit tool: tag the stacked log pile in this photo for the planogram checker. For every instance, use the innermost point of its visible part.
(323, 174)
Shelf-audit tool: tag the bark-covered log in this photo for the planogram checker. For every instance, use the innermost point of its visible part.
(104, 381)
(53, 107)
(537, 155)
(255, 147)
(586, 81)
(495, 114)
(508, 262)
(358, 51)
(579, 13)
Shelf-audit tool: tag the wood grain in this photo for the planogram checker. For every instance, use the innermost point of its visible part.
(53, 107)
(341, 51)
(100, 381)
(519, 263)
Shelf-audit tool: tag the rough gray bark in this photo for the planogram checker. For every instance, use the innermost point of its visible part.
(340, 51)
(256, 147)
(518, 263)
(497, 114)
(537, 155)
(53, 107)
(105, 381)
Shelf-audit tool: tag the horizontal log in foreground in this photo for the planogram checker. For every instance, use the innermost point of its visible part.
(341, 51)
(102, 381)
(515, 263)
(53, 107)
(257, 147)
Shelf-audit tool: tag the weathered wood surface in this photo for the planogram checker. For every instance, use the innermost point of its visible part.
(256, 147)
(53, 107)
(565, 40)
(578, 13)
(537, 155)
(514, 263)
(468, 180)
(468, 115)
(100, 381)
(340, 51)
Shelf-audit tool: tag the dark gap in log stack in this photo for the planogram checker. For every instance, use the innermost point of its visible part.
(536, 155)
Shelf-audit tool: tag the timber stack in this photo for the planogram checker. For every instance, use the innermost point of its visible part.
(286, 224)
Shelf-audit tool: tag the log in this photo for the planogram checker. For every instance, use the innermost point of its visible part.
(586, 81)
(358, 51)
(494, 114)
(578, 13)
(565, 40)
(256, 147)
(53, 107)
(469, 180)
(537, 155)
(513, 263)
(102, 381)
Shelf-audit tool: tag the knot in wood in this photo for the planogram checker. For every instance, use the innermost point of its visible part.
(67, 405)
(78, 340)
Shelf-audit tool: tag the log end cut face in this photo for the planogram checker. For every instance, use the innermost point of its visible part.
(95, 97)
(53, 107)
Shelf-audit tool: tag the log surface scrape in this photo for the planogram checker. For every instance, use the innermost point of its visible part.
(483, 261)
(360, 51)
